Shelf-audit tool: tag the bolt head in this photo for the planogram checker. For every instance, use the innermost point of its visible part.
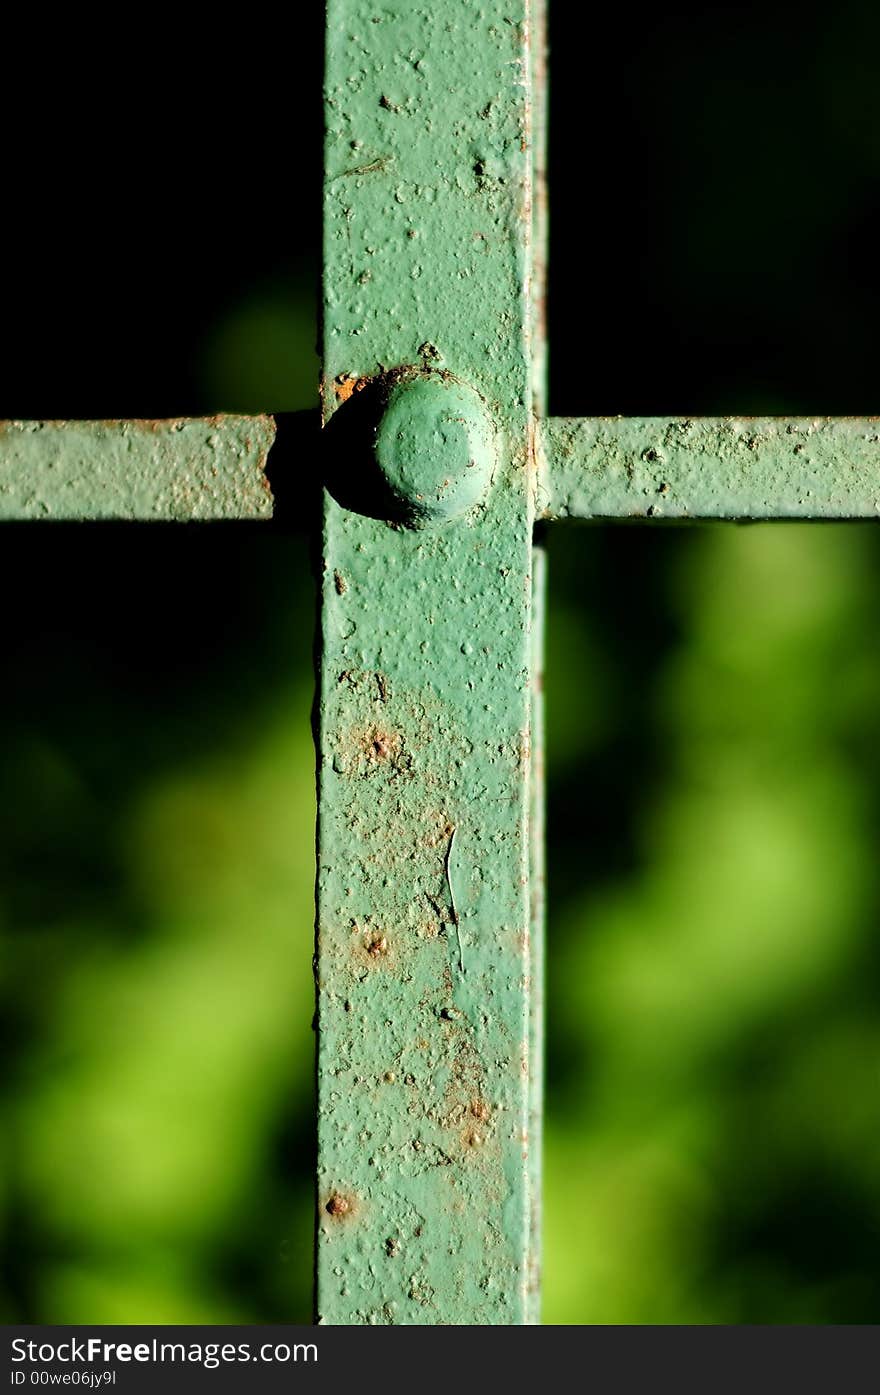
(435, 447)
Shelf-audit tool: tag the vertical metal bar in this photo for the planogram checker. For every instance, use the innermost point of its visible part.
(424, 724)
(540, 205)
(537, 949)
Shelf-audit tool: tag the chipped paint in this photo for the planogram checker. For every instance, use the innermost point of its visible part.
(703, 467)
(181, 469)
(424, 704)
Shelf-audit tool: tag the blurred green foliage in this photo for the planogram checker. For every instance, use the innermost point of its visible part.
(713, 1151)
(156, 866)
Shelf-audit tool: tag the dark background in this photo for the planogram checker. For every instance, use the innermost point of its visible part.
(714, 1050)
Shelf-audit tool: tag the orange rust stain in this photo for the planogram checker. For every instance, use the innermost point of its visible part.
(339, 1206)
(370, 945)
(380, 744)
(345, 384)
(441, 830)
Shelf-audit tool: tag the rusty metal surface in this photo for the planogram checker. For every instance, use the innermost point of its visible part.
(537, 946)
(538, 20)
(726, 467)
(161, 471)
(423, 956)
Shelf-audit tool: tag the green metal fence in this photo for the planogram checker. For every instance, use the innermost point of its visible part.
(438, 460)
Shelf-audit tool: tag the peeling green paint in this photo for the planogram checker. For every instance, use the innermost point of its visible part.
(429, 961)
(160, 471)
(726, 467)
(537, 952)
(423, 957)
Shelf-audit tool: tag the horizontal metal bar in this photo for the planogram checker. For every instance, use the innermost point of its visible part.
(161, 471)
(722, 467)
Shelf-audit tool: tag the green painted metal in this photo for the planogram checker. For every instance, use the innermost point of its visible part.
(538, 297)
(539, 55)
(438, 461)
(727, 467)
(435, 447)
(423, 956)
(159, 471)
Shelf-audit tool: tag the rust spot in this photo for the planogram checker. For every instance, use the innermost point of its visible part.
(442, 831)
(345, 384)
(524, 751)
(382, 745)
(370, 945)
(419, 1290)
(338, 1206)
(340, 583)
(379, 744)
(480, 1109)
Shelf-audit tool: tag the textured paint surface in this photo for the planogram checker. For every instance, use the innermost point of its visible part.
(540, 207)
(728, 467)
(435, 432)
(538, 280)
(185, 469)
(425, 693)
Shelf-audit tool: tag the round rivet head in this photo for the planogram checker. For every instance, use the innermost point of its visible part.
(435, 447)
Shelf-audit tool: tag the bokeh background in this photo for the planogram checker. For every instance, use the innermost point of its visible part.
(713, 694)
